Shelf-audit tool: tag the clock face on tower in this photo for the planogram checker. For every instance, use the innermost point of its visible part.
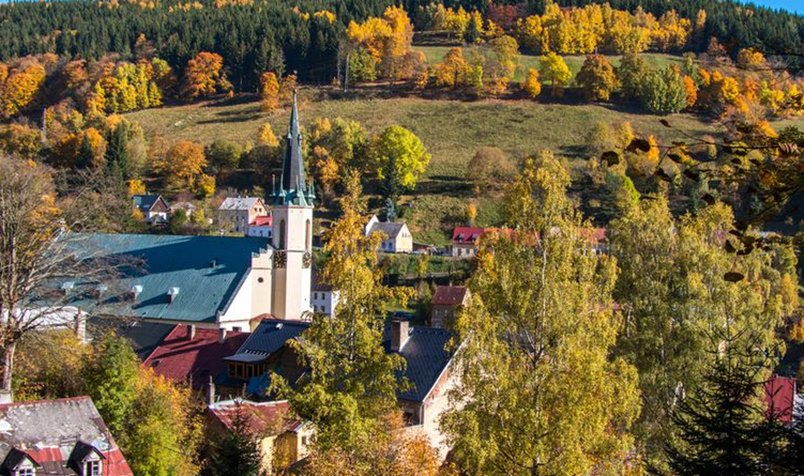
(307, 259)
(280, 259)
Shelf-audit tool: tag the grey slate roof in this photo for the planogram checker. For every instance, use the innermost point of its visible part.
(426, 357)
(390, 229)
(143, 336)
(239, 203)
(52, 423)
(269, 337)
(183, 262)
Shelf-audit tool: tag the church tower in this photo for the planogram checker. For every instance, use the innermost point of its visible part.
(292, 222)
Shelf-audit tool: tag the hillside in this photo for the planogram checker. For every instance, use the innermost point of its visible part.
(451, 130)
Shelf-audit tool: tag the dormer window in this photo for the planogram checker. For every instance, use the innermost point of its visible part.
(92, 468)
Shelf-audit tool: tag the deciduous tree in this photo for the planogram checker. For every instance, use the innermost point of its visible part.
(597, 78)
(552, 68)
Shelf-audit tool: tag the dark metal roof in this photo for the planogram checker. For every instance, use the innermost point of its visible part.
(389, 228)
(427, 357)
(143, 336)
(271, 335)
(146, 202)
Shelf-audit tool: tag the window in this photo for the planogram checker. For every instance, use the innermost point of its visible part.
(237, 329)
(92, 468)
(308, 238)
(282, 234)
(25, 472)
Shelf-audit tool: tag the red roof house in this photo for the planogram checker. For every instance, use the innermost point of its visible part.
(193, 355)
(445, 302)
(780, 395)
(66, 436)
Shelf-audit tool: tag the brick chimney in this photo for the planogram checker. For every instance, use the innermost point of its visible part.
(399, 334)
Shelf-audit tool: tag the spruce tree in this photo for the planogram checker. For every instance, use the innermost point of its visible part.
(117, 162)
(723, 427)
(236, 452)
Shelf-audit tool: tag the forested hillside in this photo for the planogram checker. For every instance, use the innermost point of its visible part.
(255, 36)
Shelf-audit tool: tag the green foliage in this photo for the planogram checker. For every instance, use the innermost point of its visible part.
(362, 66)
(400, 159)
(223, 156)
(671, 282)
(632, 72)
(236, 451)
(536, 343)
(352, 380)
(111, 379)
(723, 428)
(554, 70)
(117, 162)
(663, 91)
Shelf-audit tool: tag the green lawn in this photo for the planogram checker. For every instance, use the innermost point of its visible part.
(434, 55)
(452, 131)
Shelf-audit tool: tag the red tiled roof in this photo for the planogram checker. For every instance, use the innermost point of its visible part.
(780, 393)
(263, 220)
(466, 234)
(262, 418)
(449, 295)
(595, 235)
(182, 359)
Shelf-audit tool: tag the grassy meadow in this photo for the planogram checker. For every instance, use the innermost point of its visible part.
(452, 130)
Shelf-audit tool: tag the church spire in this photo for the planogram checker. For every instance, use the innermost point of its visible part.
(293, 165)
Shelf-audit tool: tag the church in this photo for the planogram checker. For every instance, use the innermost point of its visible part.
(214, 281)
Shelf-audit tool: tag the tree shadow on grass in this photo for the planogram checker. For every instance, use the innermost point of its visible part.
(453, 186)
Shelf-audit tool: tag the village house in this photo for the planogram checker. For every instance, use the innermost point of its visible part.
(464, 241)
(188, 208)
(445, 304)
(66, 436)
(193, 356)
(236, 213)
(324, 299)
(154, 208)
(429, 369)
(260, 227)
(781, 399)
(597, 239)
(282, 440)
(398, 238)
(212, 281)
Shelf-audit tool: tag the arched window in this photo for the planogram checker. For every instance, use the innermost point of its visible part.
(282, 235)
(308, 235)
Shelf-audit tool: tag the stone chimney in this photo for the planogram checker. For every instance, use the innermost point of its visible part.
(222, 335)
(399, 334)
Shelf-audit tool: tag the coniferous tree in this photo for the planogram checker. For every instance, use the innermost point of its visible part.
(237, 450)
(117, 162)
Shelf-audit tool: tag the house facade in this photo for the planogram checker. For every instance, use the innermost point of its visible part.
(446, 302)
(324, 298)
(66, 436)
(464, 241)
(236, 213)
(397, 235)
(261, 227)
(154, 208)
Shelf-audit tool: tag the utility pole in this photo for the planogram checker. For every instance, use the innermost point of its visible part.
(346, 75)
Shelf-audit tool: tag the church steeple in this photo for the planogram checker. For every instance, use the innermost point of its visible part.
(293, 187)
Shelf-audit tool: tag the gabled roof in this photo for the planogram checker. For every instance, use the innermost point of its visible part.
(466, 235)
(262, 220)
(182, 359)
(780, 393)
(426, 358)
(162, 262)
(49, 431)
(262, 418)
(269, 337)
(146, 202)
(390, 229)
(318, 282)
(240, 203)
(449, 295)
(143, 336)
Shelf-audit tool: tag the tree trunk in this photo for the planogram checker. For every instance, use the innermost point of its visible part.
(8, 368)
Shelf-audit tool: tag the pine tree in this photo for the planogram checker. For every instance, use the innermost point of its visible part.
(117, 161)
(237, 451)
(722, 426)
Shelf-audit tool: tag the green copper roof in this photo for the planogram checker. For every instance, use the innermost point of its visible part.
(207, 270)
(293, 186)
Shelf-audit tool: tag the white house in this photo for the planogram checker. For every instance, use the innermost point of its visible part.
(261, 227)
(398, 238)
(236, 213)
(324, 298)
